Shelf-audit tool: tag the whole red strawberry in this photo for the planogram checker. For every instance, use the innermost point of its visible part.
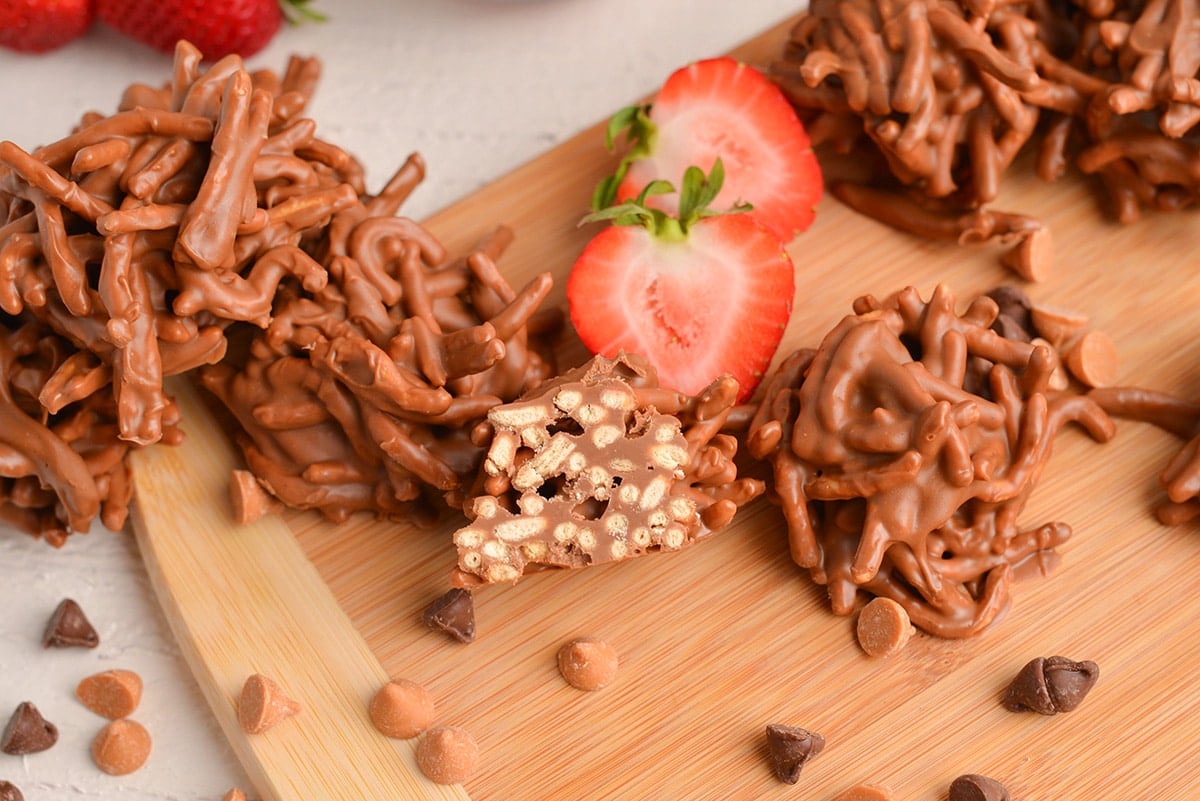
(216, 27)
(36, 26)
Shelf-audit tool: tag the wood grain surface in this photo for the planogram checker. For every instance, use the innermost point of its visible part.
(722, 639)
(243, 600)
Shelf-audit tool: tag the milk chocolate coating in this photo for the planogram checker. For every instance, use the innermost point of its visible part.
(895, 479)
(145, 242)
(600, 464)
(1181, 476)
(946, 93)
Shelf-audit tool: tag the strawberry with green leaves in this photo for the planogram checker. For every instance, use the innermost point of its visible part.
(699, 294)
(39, 26)
(721, 108)
(216, 27)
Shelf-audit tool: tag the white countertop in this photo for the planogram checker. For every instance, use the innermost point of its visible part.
(478, 88)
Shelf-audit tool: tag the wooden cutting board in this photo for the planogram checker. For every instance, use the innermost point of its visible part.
(722, 639)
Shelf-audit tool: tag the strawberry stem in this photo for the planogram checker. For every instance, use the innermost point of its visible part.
(299, 11)
(695, 198)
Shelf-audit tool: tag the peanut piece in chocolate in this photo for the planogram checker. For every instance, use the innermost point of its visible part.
(945, 93)
(454, 613)
(1049, 685)
(27, 732)
(904, 449)
(791, 747)
(69, 627)
(599, 465)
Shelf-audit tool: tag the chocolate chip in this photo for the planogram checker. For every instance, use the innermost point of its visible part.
(68, 627)
(9, 792)
(27, 731)
(791, 747)
(453, 613)
(1007, 327)
(974, 787)
(1015, 305)
(1048, 685)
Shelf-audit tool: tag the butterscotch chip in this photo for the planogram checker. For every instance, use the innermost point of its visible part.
(1056, 325)
(262, 704)
(27, 731)
(1048, 685)
(69, 627)
(974, 787)
(401, 709)
(112, 694)
(865, 792)
(250, 501)
(121, 747)
(10, 792)
(1033, 257)
(883, 627)
(234, 794)
(1093, 359)
(453, 613)
(791, 747)
(448, 755)
(588, 663)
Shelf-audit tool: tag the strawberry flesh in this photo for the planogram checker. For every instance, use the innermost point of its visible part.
(721, 108)
(714, 302)
(216, 27)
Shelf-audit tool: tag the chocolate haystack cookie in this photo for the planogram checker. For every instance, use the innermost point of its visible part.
(10, 792)
(945, 94)
(597, 465)
(904, 449)
(69, 627)
(27, 732)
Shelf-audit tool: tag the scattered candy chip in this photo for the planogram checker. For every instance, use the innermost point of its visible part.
(401, 709)
(865, 792)
(791, 748)
(448, 755)
(883, 627)
(121, 747)
(262, 704)
(588, 663)
(27, 731)
(234, 794)
(112, 694)
(974, 787)
(10, 792)
(1048, 685)
(68, 626)
(453, 613)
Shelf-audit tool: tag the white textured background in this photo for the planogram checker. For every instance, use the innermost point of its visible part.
(477, 88)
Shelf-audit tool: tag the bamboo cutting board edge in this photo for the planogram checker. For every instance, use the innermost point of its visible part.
(682, 723)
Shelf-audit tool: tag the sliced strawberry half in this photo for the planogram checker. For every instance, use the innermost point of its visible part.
(699, 296)
(722, 108)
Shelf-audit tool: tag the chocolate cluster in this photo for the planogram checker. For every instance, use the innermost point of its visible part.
(601, 464)
(904, 449)
(206, 222)
(948, 92)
